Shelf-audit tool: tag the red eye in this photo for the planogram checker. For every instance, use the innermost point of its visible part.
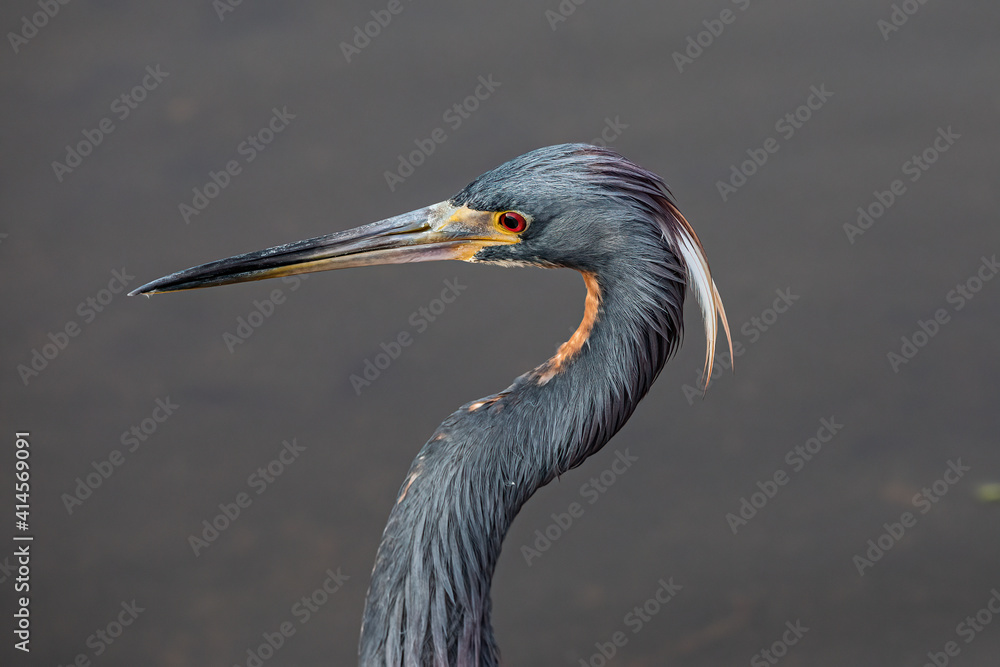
(513, 222)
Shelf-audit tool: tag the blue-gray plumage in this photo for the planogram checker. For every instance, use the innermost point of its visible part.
(570, 206)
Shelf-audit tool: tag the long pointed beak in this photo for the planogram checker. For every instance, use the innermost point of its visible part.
(437, 232)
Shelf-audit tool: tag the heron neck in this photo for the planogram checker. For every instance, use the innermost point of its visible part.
(590, 387)
(429, 600)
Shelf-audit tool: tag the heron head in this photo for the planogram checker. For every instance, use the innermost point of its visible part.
(561, 206)
(571, 205)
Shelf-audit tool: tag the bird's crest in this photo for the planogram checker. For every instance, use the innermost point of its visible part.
(649, 189)
(701, 283)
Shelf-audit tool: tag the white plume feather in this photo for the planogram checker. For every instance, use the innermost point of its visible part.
(701, 283)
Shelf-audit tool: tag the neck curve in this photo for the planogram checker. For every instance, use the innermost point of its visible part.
(429, 599)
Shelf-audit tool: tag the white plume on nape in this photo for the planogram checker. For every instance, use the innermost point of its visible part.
(701, 283)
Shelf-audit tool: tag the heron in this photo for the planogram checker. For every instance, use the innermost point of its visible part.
(573, 206)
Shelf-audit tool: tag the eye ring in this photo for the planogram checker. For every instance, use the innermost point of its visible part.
(512, 222)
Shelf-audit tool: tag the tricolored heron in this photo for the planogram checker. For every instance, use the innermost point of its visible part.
(571, 206)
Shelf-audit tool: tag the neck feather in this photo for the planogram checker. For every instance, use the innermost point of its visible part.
(429, 600)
